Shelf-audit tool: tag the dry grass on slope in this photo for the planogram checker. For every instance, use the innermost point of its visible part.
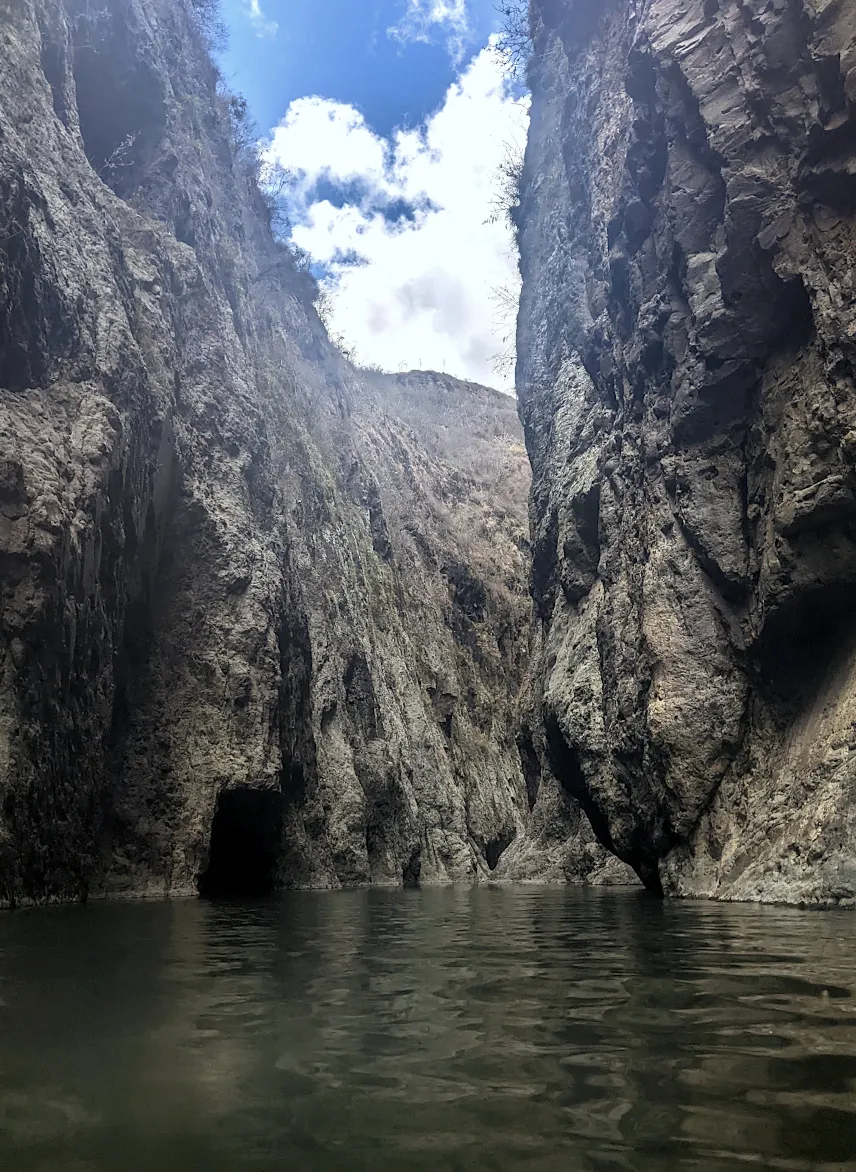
(453, 474)
(472, 430)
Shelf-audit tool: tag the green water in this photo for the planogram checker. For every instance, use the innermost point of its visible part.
(496, 1029)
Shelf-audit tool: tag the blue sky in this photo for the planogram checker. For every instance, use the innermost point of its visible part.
(341, 49)
(393, 117)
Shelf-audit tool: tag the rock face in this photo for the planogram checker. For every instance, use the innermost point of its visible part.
(264, 618)
(687, 343)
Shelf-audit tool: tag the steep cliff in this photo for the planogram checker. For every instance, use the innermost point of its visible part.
(686, 347)
(264, 618)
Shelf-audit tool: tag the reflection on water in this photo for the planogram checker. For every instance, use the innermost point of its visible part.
(543, 1029)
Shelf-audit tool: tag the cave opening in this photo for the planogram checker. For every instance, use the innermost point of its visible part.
(244, 851)
(121, 99)
(495, 848)
(808, 635)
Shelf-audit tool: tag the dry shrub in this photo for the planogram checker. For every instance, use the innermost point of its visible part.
(515, 37)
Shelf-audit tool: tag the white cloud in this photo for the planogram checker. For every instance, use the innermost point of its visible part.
(263, 26)
(318, 138)
(424, 17)
(415, 291)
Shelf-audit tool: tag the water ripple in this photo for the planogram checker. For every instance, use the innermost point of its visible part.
(488, 1030)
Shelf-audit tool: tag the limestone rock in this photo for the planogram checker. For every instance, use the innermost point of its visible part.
(686, 375)
(264, 618)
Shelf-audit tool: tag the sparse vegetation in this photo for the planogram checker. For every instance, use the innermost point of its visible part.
(120, 157)
(507, 184)
(274, 182)
(268, 182)
(324, 306)
(471, 428)
(210, 24)
(504, 299)
(243, 131)
(515, 37)
(504, 208)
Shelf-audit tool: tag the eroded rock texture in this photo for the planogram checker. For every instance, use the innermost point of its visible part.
(686, 371)
(264, 618)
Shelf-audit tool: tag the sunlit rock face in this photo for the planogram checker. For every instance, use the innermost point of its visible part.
(265, 619)
(686, 374)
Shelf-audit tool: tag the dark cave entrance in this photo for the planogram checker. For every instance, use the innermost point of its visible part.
(245, 836)
(121, 99)
(493, 850)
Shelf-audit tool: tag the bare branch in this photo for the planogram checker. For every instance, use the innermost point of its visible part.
(515, 37)
(506, 185)
(119, 157)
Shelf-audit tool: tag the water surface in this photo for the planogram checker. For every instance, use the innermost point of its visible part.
(537, 1029)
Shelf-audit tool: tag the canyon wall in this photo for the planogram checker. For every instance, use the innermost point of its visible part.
(264, 618)
(686, 350)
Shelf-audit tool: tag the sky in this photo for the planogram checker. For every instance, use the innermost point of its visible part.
(393, 118)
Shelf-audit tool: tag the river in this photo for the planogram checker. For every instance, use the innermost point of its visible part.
(468, 1030)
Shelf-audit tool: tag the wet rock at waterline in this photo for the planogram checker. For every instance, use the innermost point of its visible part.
(686, 354)
(265, 619)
